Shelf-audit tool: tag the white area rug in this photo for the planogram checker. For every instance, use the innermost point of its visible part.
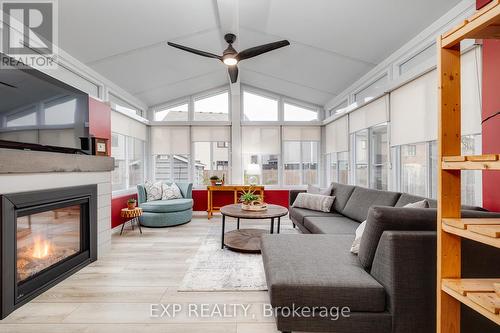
(214, 269)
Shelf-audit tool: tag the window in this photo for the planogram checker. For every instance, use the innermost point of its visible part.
(379, 152)
(343, 165)
(339, 108)
(298, 113)
(260, 169)
(210, 159)
(361, 158)
(174, 113)
(414, 169)
(259, 108)
(261, 147)
(373, 90)
(332, 168)
(128, 153)
(172, 168)
(118, 176)
(471, 179)
(212, 108)
(418, 59)
(61, 111)
(119, 104)
(300, 154)
(433, 152)
(292, 163)
(135, 149)
(22, 118)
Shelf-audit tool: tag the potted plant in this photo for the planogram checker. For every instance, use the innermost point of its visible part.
(251, 201)
(213, 180)
(131, 203)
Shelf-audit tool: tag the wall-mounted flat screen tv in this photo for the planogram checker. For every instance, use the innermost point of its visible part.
(39, 112)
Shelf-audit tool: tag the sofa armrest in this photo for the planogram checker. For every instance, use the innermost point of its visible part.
(293, 195)
(405, 265)
(186, 190)
(141, 194)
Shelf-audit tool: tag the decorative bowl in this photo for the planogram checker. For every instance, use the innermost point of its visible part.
(255, 206)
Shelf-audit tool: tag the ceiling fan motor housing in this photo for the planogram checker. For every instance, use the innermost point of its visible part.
(230, 38)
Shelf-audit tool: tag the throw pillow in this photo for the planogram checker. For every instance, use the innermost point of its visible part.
(357, 240)
(317, 190)
(153, 190)
(359, 231)
(171, 192)
(419, 204)
(318, 202)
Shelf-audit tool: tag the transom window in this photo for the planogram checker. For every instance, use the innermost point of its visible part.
(212, 108)
(294, 112)
(174, 113)
(259, 108)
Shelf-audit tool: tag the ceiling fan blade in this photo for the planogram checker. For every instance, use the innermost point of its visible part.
(255, 51)
(195, 51)
(233, 73)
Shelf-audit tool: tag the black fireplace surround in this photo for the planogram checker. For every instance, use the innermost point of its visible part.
(69, 216)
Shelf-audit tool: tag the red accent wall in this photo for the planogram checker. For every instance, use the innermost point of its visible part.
(116, 206)
(491, 128)
(277, 197)
(100, 120)
(481, 3)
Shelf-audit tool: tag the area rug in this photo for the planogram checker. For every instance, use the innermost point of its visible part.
(214, 269)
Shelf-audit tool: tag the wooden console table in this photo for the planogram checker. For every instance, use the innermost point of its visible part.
(229, 188)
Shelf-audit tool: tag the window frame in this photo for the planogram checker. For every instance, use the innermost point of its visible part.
(205, 95)
(301, 164)
(281, 100)
(170, 106)
(129, 189)
(193, 161)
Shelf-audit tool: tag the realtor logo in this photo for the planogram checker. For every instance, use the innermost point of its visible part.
(29, 31)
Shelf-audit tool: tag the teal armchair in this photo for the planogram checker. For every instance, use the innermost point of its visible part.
(166, 213)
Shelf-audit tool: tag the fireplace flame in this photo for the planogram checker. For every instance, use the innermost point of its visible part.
(41, 248)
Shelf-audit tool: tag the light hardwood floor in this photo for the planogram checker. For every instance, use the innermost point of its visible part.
(115, 293)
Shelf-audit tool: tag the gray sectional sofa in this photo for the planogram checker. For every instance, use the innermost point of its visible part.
(388, 287)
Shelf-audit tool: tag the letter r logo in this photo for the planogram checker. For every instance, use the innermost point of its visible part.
(27, 27)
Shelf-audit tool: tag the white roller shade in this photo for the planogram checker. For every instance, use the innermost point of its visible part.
(337, 136)
(263, 140)
(373, 113)
(305, 133)
(127, 126)
(170, 140)
(471, 80)
(414, 111)
(205, 134)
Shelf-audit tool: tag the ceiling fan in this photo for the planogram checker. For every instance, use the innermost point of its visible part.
(231, 57)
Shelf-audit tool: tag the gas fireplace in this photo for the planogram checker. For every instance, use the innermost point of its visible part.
(46, 236)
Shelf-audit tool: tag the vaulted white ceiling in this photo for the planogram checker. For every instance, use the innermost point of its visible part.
(333, 42)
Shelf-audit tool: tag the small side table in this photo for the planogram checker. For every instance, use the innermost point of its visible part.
(131, 215)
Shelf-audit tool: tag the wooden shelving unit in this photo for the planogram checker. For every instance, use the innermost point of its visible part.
(481, 295)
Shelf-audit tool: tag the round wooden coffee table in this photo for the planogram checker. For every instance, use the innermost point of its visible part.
(248, 240)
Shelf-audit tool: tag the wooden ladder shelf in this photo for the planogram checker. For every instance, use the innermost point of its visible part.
(481, 295)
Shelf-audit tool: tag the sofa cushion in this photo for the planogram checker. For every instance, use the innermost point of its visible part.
(406, 198)
(338, 225)
(341, 193)
(298, 214)
(317, 202)
(166, 206)
(363, 198)
(382, 219)
(319, 272)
